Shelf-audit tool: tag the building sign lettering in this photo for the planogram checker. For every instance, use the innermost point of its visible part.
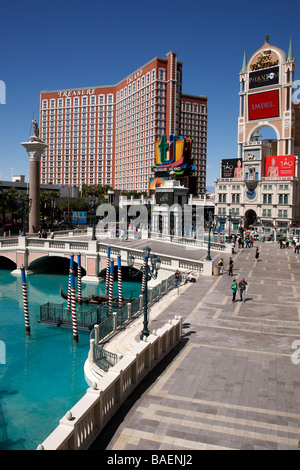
(266, 77)
(264, 60)
(68, 93)
(263, 105)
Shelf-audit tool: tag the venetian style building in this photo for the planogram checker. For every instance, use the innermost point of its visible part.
(262, 183)
(106, 134)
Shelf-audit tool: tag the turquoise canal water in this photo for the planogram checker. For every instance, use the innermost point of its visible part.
(41, 374)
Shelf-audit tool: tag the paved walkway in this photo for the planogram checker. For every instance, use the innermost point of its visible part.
(231, 383)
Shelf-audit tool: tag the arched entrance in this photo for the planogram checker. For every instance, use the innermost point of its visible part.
(268, 134)
(250, 218)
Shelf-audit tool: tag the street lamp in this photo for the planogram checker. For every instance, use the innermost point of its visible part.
(92, 201)
(210, 224)
(229, 220)
(150, 272)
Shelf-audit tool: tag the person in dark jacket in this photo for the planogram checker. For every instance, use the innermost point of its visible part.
(242, 287)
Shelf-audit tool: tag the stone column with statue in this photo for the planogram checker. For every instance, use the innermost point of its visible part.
(35, 147)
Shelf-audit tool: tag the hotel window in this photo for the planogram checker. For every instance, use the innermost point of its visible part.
(267, 198)
(110, 99)
(45, 103)
(101, 99)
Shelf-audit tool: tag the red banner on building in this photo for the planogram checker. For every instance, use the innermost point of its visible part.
(263, 105)
(280, 166)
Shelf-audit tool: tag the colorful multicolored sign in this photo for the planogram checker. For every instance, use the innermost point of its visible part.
(263, 105)
(170, 153)
(280, 166)
(156, 183)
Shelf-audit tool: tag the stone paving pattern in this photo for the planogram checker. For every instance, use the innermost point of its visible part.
(231, 384)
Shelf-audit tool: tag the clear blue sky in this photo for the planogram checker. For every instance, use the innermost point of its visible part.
(74, 43)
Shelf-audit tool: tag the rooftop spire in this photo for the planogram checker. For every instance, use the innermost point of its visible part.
(244, 63)
(290, 54)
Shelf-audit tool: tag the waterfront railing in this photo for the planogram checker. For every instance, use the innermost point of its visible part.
(84, 422)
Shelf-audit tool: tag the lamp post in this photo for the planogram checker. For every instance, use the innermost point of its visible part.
(150, 272)
(210, 224)
(92, 201)
(229, 220)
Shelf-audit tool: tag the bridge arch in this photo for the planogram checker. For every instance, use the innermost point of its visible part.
(53, 265)
(7, 263)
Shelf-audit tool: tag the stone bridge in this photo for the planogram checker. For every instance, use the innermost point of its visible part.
(26, 250)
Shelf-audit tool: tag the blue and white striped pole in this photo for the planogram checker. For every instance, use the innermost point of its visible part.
(25, 302)
(120, 281)
(107, 270)
(69, 285)
(111, 287)
(79, 278)
(73, 304)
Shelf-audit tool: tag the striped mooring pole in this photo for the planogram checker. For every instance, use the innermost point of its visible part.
(25, 302)
(73, 304)
(107, 270)
(143, 278)
(69, 285)
(120, 281)
(111, 287)
(79, 278)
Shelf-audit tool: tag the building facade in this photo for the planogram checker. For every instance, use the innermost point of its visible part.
(106, 135)
(262, 184)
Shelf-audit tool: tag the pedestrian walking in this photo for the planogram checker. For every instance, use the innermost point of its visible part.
(232, 247)
(230, 273)
(234, 289)
(242, 287)
(257, 254)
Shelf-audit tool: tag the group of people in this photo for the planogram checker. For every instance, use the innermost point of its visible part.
(42, 234)
(239, 286)
(286, 243)
(188, 278)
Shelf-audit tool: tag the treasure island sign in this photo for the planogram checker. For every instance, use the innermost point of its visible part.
(264, 60)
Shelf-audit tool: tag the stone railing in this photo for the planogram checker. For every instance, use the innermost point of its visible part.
(84, 422)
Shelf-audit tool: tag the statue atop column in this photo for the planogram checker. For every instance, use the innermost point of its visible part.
(36, 136)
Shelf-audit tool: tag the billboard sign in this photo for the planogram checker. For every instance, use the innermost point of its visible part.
(280, 166)
(79, 217)
(264, 77)
(263, 105)
(171, 153)
(232, 168)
